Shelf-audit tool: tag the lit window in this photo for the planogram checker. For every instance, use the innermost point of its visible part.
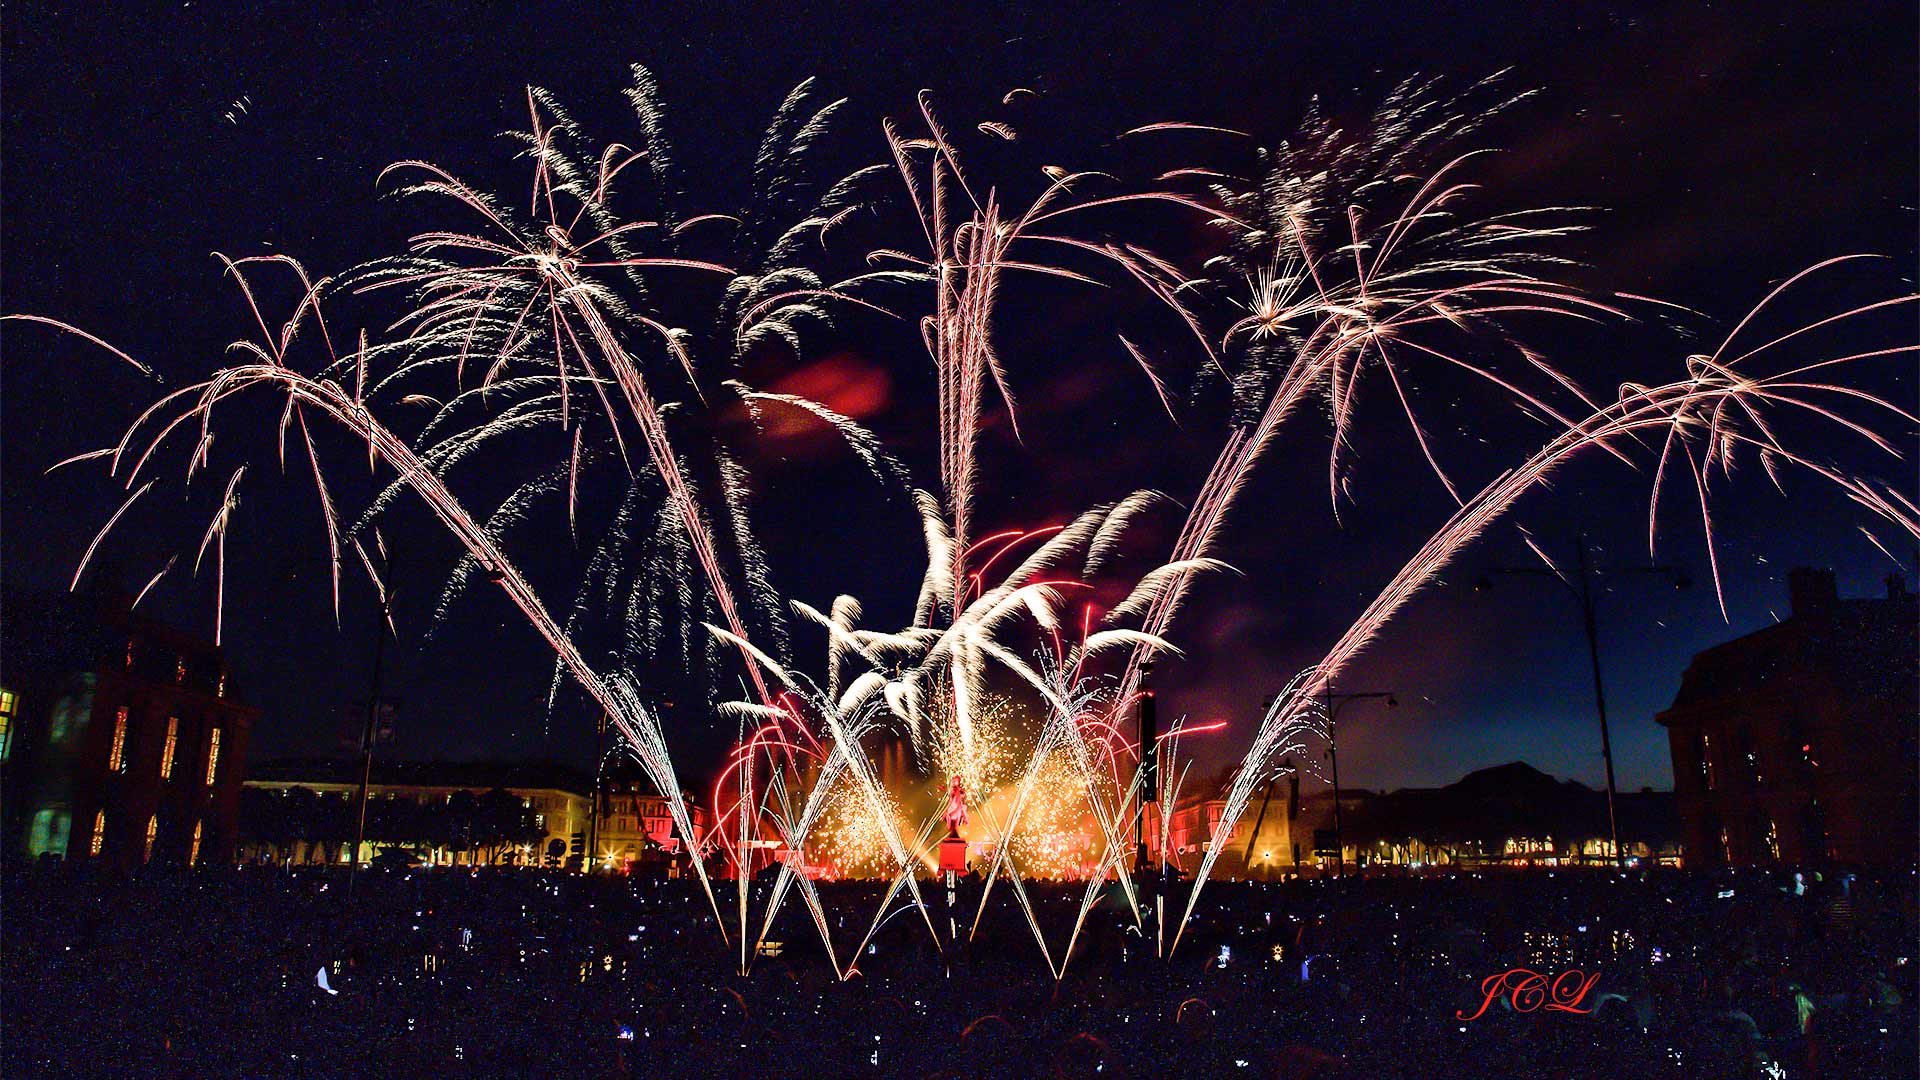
(153, 830)
(99, 838)
(166, 752)
(129, 654)
(213, 755)
(180, 669)
(220, 688)
(6, 724)
(1706, 759)
(1773, 840)
(48, 834)
(117, 753)
(193, 854)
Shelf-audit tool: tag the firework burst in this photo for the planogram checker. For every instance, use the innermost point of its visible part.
(600, 327)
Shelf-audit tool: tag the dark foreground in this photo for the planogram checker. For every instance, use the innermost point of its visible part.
(510, 974)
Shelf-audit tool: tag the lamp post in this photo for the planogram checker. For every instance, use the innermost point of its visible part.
(592, 854)
(1583, 594)
(1266, 796)
(1333, 703)
(370, 733)
(1149, 780)
(370, 728)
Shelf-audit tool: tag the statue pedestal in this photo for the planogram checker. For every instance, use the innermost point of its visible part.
(953, 855)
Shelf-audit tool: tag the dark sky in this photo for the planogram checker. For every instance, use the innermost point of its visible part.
(1726, 145)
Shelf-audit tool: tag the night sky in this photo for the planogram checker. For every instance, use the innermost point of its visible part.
(1726, 147)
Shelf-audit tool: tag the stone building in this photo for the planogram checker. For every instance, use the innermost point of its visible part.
(1510, 814)
(635, 825)
(120, 740)
(302, 811)
(1796, 743)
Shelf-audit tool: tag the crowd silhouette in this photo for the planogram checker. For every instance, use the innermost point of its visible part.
(265, 972)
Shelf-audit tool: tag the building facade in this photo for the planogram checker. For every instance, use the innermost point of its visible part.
(1797, 742)
(1272, 839)
(1510, 814)
(635, 825)
(447, 813)
(121, 743)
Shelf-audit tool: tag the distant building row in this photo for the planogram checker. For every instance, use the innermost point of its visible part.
(119, 742)
(1510, 815)
(1796, 743)
(450, 813)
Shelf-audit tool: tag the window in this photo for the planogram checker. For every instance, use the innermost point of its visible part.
(220, 687)
(1773, 840)
(1706, 760)
(117, 753)
(99, 838)
(193, 854)
(48, 835)
(166, 752)
(6, 724)
(213, 755)
(153, 830)
(180, 670)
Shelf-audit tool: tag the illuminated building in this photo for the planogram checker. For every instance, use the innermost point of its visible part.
(1265, 844)
(1796, 743)
(120, 742)
(1510, 814)
(448, 813)
(635, 827)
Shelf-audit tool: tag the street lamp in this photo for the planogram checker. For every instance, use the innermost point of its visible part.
(1333, 703)
(1583, 595)
(1148, 732)
(371, 728)
(370, 734)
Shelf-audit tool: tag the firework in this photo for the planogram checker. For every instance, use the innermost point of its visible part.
(1707, 420)
(853, 836)
(937, 691)
(600, 326)
(1330, 296)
